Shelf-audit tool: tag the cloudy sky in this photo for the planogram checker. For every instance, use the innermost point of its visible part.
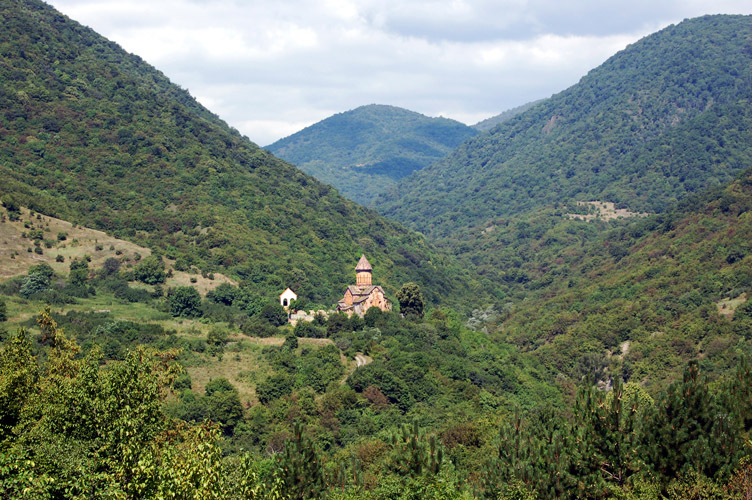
(272, 67)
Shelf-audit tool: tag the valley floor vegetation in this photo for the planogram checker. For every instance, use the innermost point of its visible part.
(99, 405)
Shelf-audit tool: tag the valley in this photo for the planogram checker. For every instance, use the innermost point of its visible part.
(563, 307)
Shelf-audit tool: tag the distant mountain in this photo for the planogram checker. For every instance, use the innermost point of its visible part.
(665, 117)
(95, 136)
(507, 115)
(367, 150)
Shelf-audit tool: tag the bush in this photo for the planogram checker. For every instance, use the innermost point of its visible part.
(308, 330)
(274, 314)
(257, 327)
(151, 270)
(184, 301)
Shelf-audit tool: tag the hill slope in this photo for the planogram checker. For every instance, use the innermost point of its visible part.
(646, 298)
(372, 146)
(95, 136)
(665, 117)
(489, 123)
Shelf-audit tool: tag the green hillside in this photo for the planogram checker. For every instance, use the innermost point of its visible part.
(641, 299)
(95, 136)
(665, 117)
(605, 359)
(489, 123)
(365, 151)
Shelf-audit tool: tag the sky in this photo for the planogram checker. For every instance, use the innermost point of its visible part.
(270, 68)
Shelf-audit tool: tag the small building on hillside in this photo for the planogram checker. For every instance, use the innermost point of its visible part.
(363, 295)
(286, 297)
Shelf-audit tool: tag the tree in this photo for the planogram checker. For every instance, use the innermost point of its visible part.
(301, 467)
(184, 301)
(223, 294)
(35, 283)
(411, 300)
(274, 313)
(223, 403)
(3, 311)
(79, 272)
(151, 270)
(110, 266)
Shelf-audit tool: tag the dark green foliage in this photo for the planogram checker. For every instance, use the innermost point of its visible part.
(291, 342)
(274, 314)
(411, 300)
(150, 270)
(690, 430)
(302, 471)
(3, 311)
(79, 272)
(308, 329)
(184, 301)
(367, 150)
(337, 323)
(111, 266)
(223, 404)
(224, 294)
(273, 387)
(414, 453)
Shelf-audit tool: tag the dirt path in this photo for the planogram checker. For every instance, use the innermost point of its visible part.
(361, 360)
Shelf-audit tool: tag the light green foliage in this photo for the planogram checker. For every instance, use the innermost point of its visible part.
(35, 282)
(82, 429)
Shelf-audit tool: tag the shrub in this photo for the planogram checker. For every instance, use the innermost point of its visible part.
(184, 301)
(151, 270)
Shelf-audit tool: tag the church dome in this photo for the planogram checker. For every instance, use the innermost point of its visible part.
(363, 264)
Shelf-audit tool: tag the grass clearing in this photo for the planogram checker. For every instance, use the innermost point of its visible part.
(17, 253)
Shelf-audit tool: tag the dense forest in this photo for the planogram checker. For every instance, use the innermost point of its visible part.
(666, 117)
(557, 352)
(366, 151)
(95, 136)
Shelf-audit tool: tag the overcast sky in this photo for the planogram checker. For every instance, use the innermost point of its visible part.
(271, 68)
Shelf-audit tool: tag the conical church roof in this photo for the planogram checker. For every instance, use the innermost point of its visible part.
(363, 264)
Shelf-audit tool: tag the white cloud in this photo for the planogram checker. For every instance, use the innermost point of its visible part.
(270, 68)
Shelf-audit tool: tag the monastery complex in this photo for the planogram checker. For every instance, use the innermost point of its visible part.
(357, 299)
(363, 295)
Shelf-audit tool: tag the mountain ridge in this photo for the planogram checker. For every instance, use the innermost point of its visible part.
(96, 136)
(372, 146)
(609, 137)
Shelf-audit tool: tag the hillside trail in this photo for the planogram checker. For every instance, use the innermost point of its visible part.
(360, 360)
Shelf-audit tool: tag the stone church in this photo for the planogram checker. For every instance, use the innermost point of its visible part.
(363, 295)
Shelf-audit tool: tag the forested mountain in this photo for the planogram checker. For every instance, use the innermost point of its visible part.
(639, 300)
(665, 117)
(94, 135)
(611, 363)
(507, 115)
(367, 150)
